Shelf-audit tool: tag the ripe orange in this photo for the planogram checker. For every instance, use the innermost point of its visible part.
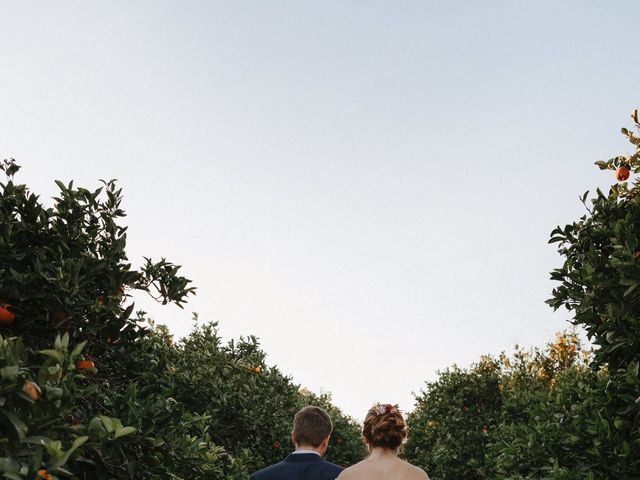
(84, 364)
(258, 369)
(42, 473)
(5, 314)
(32, 390)
(622, 173)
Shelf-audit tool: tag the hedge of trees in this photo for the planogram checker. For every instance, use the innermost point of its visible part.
(91, 390)
(555, 413)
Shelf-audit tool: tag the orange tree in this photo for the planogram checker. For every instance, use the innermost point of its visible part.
(248, 405)
(599, 285)
(601, 273)
(475, 422)
(88, 390)
(64, 268)
(66, 332)
(532, 433)
(560, 415)
(452, 422)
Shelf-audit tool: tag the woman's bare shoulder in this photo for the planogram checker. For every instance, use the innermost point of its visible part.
(419, 474)
(415, 473)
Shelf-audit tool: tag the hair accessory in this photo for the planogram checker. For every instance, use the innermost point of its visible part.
(381, 409)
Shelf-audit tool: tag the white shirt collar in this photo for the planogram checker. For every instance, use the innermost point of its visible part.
(305, 451)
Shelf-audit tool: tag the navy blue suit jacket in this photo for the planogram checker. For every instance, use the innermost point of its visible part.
(300, 466)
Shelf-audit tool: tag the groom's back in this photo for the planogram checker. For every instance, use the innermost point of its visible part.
(301, 466)
(311, 432)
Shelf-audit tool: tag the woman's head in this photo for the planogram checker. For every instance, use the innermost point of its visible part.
(384, 427)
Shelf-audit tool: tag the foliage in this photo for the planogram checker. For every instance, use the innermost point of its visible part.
(462, 421)
(39, 406)
(601, 271)
(450, 425)
(599, 285)
(64, 268)
(562, 413)
(249, 406)
(580, 428)
(115, 397)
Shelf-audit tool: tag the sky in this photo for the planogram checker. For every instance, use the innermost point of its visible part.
(366, 186)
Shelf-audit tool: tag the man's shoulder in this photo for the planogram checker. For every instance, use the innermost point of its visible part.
(280, 469)
(267, 472)
(332, 466)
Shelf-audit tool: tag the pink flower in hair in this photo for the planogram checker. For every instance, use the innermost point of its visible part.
(381, 409)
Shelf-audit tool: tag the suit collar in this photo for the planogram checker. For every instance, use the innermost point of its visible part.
(303, 457)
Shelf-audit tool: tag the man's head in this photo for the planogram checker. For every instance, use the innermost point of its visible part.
(311, 429)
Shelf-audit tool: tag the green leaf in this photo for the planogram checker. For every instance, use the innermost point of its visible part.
(78, 349)
(95, 427)
(107, 423)
(65, 341)
(62, 460)
(54, 354)
(602, 164)
(630, 290)
(9, 373)
(18, 424)
(125, 431)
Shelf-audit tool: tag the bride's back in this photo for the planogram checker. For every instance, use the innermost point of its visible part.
(391, 469)
(384, 430)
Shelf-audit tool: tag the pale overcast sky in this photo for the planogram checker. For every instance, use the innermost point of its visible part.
(366, 186)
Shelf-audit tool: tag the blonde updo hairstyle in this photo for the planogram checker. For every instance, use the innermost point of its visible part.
(384, 427)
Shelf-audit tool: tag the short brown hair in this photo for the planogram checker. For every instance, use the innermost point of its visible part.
(311, 426)
(384, 427)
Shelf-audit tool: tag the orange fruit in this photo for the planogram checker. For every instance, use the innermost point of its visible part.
(32, 390)
(42, 473)
(258, 369)
(5, 314)
(622, 173)
(431, 423)
(84, 364)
